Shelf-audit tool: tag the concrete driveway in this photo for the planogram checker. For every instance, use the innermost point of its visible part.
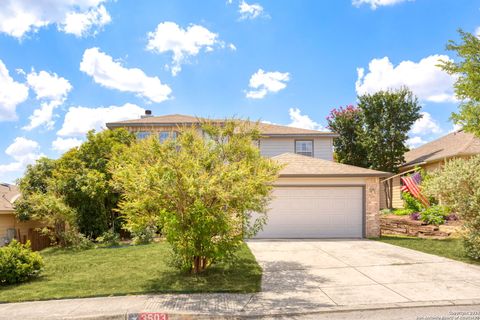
(332, 273)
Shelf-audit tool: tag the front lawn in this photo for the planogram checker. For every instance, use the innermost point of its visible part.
(448, 248)
(130, 270)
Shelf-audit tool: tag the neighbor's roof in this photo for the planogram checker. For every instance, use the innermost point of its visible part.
(8, 194)
(455, 144)
(179, 119)
(298, 165)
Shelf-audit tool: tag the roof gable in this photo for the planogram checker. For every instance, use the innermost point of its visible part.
(299, 165)
(8, 194)
(178, 119)
(459, 143)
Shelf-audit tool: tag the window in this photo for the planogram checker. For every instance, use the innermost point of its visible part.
(164, 135)
(142, 135)
(304, 147)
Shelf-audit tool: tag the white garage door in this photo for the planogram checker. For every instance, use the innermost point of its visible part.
(315, 212)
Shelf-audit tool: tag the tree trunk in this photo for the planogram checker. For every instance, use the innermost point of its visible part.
(388, 189)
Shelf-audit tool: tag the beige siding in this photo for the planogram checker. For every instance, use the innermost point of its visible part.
(270, 147)
(397, 201)
(8, 221)
(323, 148)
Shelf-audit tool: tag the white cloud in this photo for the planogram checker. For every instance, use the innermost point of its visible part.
(300, 120)
(81, 23)
(263, 82)
(111, 74)
(415, 142)
(65, 144)
(250, 11)
(424, 78)
(377, 3)
(12, 93)
(425, 125)
(24, 152)
(48, 85)
(183, 43)
(79, 120)
(42, 116)
(52, 90)
(77, 17)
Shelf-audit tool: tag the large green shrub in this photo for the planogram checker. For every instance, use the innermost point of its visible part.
(202, 190)
(458, 186)
(18, 263)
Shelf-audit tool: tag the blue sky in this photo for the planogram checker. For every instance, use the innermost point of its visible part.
(67, 66)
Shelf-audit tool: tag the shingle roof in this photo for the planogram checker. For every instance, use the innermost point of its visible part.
(178, 119)
(455, 144)
(8, 194)
(299, 165)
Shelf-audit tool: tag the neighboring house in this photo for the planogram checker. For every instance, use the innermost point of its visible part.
(314, 197)
(10, 227)
(432, 156)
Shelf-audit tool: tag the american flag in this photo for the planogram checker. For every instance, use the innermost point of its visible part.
(411, 184)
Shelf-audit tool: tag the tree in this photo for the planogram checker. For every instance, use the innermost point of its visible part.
(82, 179)
(58, 218)
(201, 188)
(458, 185)
(77, 182)
(35, 181)
(387, 118)
(374, 134)
(467, 85)
(349, 149)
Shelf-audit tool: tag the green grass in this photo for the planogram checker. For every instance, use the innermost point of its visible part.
(448, 248)
(130, 270)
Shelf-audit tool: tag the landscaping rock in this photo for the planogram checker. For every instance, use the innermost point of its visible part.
(403, 225)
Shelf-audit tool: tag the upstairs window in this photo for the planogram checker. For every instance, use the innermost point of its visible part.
(142, 135)
(164, 135)
(304, 147)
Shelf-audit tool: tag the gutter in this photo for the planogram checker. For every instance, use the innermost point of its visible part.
(340, 175)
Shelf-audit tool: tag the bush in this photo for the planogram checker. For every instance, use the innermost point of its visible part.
(76, 240)
(143, 235)
(434, 215)
(415, 216)
(386, 211)
(402, 212)
(411, 202)
(457, 186)
(18, 263)
(109, 239)
(471, 243)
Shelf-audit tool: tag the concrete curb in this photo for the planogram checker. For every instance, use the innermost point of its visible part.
(323, 310)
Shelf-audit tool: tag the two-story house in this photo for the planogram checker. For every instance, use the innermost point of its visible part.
(314, 196)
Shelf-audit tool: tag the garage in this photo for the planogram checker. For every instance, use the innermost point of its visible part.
(316, 198)
(315, 212)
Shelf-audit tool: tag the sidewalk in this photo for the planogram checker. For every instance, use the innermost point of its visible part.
(191, 306)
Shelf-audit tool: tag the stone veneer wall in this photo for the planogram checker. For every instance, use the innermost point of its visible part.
(372, 207)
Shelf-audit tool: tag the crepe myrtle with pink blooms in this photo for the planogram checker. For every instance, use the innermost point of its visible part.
(347, 122)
